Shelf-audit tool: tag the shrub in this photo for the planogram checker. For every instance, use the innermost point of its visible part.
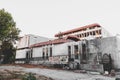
(29, 76)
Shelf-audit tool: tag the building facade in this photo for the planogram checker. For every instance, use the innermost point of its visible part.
(89, 47)
(95, 54)
(23, 46)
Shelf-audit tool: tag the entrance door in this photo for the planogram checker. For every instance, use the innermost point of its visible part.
(76, 57)
(27, 57)
(107, 62)
(73, 56)
(76, 52)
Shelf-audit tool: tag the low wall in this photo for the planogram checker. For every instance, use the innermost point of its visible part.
(92, 67)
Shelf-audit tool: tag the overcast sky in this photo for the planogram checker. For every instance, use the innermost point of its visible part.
(48, 17)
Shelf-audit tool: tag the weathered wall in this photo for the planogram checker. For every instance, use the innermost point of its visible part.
(60, 49)
(105, 33)
(23, 42)
(37, 39)
(29, 39)
(109, 45)
(37, 52)
(21, 53)
(117, 58)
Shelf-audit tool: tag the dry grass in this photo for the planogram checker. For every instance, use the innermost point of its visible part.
(11, 74)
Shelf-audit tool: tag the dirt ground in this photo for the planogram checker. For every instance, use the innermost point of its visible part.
(19, 71)
(18, 74)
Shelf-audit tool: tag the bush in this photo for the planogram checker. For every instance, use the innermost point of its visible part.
(29, 76)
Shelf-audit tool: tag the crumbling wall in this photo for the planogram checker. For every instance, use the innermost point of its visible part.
(98, 47)
(118, 53)
(109, 46)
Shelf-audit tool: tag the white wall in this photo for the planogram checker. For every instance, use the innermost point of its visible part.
(21, 53)
(29, 39)
(23, 42)
(118, 52)
(105, 33)
(60, 49)
(36, 39)
(109, 46)
(37, 52)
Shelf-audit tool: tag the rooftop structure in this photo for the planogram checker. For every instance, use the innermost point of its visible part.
(85, 32)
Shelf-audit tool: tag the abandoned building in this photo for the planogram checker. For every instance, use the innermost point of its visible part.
(23, 46)
(89, 47)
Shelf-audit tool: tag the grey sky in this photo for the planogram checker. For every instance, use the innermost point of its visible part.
(48, 17)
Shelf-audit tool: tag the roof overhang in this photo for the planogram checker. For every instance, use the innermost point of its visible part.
(50, 42)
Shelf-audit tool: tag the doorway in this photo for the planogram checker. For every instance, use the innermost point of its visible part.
(107, 62)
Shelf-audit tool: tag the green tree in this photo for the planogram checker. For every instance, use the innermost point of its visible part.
(8, 34)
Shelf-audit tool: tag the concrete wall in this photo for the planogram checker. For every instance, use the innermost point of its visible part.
(109, 45)
(60, 49)
(37, 39)
(29, 39)
(21, 53)
(23, 42)
(37, 52)
(105, 33)
(118, 53)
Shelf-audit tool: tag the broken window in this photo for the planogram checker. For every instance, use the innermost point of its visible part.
(43, 55)
(76, 51)
(31, 53)
(80, 35)
(50, 51)
(84, 56)
(90, 33)
(85, 34)
(27, 55)
(46, 53)
(93, 32)
(69, 51)
(99, 31)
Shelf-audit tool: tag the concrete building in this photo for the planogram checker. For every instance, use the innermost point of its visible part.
(89, 47)
(91, 31)
(102, 54)
(23, 46)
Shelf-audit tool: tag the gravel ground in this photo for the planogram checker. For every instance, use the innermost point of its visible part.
(58, 74)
